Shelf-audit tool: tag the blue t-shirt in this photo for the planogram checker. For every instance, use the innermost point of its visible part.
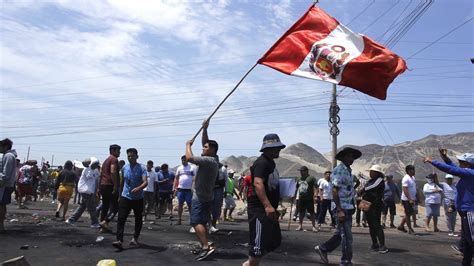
(132, 178)
(168, 185)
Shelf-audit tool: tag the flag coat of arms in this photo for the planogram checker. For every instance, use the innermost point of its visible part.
(318, 47)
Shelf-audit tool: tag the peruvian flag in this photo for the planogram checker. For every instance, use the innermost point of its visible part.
(318, 47)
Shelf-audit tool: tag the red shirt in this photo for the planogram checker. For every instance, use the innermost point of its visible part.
(105, 174)
(248, 184)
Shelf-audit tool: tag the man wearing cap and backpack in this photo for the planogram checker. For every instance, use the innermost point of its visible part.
(343, 196)
(305, 190)
(264, 228)
(464, 197)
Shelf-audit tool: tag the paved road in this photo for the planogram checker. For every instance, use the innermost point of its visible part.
(53, 242)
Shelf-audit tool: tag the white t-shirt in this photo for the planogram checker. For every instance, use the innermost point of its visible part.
(152, 178)
(409, 182)
(88, 181)
(326, 187)
(432, 197)
(185, 175)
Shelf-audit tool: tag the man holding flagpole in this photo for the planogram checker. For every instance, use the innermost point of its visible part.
(203, 188)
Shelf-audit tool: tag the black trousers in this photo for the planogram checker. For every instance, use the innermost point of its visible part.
(375, 228)
(125, 206)
(325, 207)
(106, 194)
(466, 239)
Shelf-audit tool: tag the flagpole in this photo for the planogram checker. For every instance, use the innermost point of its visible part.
(334, 120)
(228, 95)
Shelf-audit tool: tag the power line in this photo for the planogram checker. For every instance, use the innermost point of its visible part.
(440, 38)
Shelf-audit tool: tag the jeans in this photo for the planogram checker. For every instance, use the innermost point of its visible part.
(125, 206)
(450, 218)
(375, 228)
(326, 206)
(217, 204)
(342, 235)
(87, 202)
(467, 227)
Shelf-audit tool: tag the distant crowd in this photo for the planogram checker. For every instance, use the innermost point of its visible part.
(110, 190)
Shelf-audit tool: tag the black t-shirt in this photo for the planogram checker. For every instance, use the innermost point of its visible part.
(264, 167)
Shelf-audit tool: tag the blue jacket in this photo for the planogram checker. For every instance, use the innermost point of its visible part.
(465, 185)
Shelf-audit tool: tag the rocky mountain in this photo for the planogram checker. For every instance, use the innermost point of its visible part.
(393, 159)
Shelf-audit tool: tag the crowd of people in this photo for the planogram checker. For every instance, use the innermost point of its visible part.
(112, 189)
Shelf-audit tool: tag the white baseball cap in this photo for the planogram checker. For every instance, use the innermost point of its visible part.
(376, 168)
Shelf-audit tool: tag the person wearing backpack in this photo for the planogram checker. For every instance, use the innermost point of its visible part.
(305, 191)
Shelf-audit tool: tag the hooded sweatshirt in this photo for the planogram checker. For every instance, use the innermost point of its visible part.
(8, 168)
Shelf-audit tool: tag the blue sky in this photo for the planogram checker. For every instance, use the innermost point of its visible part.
(77, 76)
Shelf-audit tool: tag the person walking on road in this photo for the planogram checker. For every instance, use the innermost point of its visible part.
(343, 196)
(88, 186)
(373, 193)
(408, 198)
(264, 228)
(135, 179)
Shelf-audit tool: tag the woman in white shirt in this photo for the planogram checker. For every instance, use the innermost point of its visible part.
(432, 192)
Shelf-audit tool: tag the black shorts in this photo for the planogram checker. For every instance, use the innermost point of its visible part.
(166, 197)
(265, 234)
(306, 205)
(408, 207)
(389, 206)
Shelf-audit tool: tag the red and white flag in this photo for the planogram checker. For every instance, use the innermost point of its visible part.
(318, 47)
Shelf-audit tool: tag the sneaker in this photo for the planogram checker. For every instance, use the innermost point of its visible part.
(213, 230)
(374, 248)
(322, 254)
(104, 225)
(294, 218)
(364, 224)
(401, 228)
(133, 242)
(392, 226)
(53, 202)
(383, 250)
(299, 228)
(95, 226)
(411, 232)
(179, 222)
(118, 245)
(57, 215)
(358, 225)
(315, 229)
(204, 253)
(456, 248)
(70, 222)
(192, 231)
(455, 235)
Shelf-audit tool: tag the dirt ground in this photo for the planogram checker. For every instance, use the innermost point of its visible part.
(47, 241)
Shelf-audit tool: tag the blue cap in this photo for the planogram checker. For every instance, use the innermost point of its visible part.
(272, 141)
(467, 157)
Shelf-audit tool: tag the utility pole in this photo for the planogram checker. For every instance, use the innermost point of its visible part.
(28, 154)
(333, 121)
(52, 160)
